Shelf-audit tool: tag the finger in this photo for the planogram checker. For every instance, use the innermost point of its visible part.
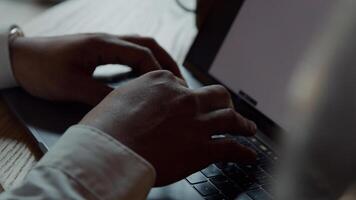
(108, 49)
(182, 82)
(165, 60)
(228, 121)
(89, 91)
(229, 150)
(213, 97)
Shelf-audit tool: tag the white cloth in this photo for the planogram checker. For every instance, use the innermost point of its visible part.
(7, 79)
(85, 163)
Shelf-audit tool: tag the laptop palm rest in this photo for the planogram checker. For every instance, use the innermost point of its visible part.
(46, 120)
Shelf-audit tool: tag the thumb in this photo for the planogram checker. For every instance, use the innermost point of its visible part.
(90, 91)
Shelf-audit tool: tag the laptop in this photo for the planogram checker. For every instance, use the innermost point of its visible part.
(250, 46)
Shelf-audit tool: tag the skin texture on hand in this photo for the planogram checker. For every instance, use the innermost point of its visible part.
(155, 115)
(61, 68)
(171, 126)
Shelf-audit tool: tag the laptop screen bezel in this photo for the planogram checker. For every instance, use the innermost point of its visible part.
(206, 47)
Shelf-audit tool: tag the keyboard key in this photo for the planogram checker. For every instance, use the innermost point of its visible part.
(250, 186)
(264, 181)
(211, 171)
(249, 169)
(272, 155)
(254, 141)
(268, 168)
(246, 183)
(275, 158)
(219, 179)
(223, 185)
(231, 168)
(263, 178)
(259, 194)
(242, 140)
(243, 196)
(239, 176)
(263, 148)
(262, 159)
(229, 189)
(220, 165)
(206, 189)
(267, 188)
(260, 171)
(215, 197)
(247, 144)
(196, 178)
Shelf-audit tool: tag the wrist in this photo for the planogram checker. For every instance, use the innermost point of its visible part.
(14, 34)
(15, 59)
(111, 128)
(103, 126)
(7, 36)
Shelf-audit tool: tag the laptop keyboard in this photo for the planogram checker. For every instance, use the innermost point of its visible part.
(235, 181)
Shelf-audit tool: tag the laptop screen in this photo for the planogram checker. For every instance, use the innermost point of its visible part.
(263, 48)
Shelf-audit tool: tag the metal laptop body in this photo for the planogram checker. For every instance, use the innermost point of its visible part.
(46, 121)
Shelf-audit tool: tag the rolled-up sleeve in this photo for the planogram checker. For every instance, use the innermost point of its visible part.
(7, 79)
(87, 164)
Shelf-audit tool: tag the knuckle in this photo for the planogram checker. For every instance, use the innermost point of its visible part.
(146, 52)
(95, 39)
(190, 100)
(164, 74)
(150, 41)
(146, 57)
(230, 113)
(168, 75)
(186, 102)
(222, 90)
(153, 75)
(163, 80)
(219, 88)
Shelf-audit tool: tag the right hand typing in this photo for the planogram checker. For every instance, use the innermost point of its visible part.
(171, 126)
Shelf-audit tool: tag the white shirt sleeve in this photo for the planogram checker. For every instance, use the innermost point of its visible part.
(7, 79)
(87, 164)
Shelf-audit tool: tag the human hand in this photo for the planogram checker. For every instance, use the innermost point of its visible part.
(171, 126)
(61, 68)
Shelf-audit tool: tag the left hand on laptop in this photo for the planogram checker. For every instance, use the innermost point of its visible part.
(61, 68)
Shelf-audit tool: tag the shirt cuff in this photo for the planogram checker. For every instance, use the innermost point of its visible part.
(7, 79)
(101, 164)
